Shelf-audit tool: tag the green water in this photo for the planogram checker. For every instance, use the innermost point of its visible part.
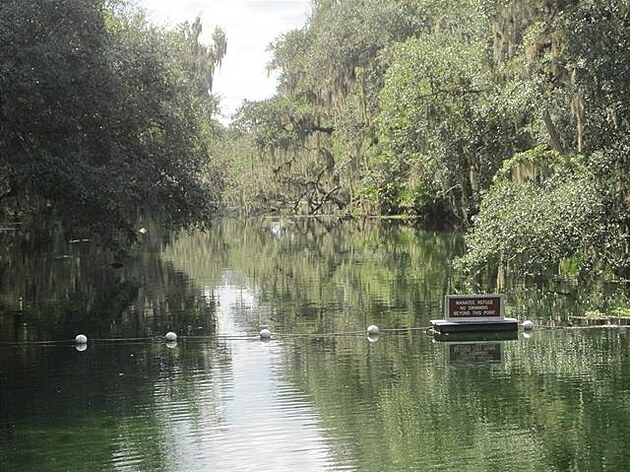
(223, 400)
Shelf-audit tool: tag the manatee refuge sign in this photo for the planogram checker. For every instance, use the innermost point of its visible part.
(474, 307)
(469, 313)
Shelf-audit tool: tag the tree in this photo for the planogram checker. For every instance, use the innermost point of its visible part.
(543, 209)
(447, 121)
(574, 52)
(298, 169)
(105, 119)
(329, 75)
(414, 107)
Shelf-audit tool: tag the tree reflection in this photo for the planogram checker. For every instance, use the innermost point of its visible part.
(327, 275)
(52, 289)
(555, 403)
(558, 397)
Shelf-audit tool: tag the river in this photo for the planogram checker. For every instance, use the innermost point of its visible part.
(319, 395)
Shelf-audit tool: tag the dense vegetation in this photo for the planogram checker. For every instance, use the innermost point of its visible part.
(105, 120)
(509, 118)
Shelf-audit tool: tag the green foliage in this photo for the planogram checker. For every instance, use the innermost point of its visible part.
(575, 63)
(445, 123)
(293, 168)
(611, 171)
(538, 165)
(250, 186)
(330, 73)
(105, 119)
(596, 62)
(621, 311)
(530, 225)
(445, 109)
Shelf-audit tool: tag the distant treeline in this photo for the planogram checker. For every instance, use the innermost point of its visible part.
(509, 118)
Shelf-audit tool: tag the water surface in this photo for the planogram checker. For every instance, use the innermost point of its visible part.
(222, 399)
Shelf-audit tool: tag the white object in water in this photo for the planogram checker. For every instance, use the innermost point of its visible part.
(170, 336)
(527, 325)
(265, 334)
(373, 330)
(81, 339)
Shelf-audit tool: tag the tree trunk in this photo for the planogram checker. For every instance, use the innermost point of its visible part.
(553, 133)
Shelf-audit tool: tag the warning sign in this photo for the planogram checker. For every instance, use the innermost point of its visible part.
(473, 307)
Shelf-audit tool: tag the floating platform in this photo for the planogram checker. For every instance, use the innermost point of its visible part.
(470, 326)
(478, 336)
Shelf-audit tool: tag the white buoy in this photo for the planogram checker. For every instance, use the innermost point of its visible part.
(265, 334)
(373, 330)
(527, 325)
(81, 339)
(170, 336)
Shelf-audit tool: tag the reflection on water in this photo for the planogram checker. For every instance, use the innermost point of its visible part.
(479, 353)
(223, 400)
(52, 290)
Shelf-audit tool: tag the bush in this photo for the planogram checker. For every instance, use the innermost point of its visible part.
(530, 222)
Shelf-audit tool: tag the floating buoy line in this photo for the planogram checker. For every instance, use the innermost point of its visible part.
(373, 332)
(171, 337)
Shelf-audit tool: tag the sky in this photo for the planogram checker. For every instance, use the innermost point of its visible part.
(250, 26)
